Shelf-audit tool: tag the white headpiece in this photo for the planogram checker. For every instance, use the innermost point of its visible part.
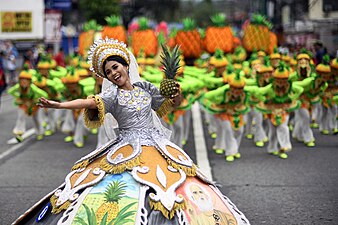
(102, 49)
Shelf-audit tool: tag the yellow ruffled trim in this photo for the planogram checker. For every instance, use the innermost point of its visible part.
(166, 107)
(99, 114)
(114, 169)
(81, 165)
(187, 170)
(168, 214)
(55, 209)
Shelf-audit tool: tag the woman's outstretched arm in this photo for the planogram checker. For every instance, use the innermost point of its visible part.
(74, 104)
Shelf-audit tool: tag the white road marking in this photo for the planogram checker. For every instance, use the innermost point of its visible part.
(27, 134)
(201, 150)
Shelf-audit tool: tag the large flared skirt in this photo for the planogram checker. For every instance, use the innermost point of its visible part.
(129, 204)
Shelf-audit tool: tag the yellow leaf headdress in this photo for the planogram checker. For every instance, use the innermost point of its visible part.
(324, 67)
(237, 80)
(334, 63)
(25, 73)
(282, 71)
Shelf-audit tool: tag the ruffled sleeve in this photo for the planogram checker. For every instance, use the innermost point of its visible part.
(94, 118)
(159, 103)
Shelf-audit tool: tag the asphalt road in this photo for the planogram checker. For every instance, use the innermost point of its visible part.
(300, 190)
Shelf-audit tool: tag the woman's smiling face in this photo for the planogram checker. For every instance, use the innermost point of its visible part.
(117, 73)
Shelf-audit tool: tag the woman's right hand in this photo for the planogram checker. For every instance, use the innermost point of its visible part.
(45, 103)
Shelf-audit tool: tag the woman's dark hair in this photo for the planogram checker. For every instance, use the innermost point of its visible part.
(115, 58)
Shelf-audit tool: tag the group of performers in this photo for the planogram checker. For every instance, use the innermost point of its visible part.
(141, 174)
(59, 84)
(260, 96)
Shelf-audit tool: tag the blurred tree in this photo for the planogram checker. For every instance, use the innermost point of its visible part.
(158, 10)
(99, 9)
(202, 13)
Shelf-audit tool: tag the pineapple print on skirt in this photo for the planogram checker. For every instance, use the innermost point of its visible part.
(114, 199)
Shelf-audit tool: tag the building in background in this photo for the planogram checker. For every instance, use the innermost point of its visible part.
(303, 22)
(324, 16)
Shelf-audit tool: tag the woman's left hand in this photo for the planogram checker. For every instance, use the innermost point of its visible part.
(45, 103)
(177, 97)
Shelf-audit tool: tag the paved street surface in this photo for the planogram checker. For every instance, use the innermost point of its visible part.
(300, 190)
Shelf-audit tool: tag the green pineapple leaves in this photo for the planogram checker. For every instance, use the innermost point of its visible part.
(219, 19)
(219, 54)
(326, 59)
(143, 23)
(92, 25)
(188, 24)
(170, 61)
(115, 191)
(259, 19)
(282, 67)
(113, 20)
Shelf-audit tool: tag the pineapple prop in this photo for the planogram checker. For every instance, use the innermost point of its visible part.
(144, 38)
(189, 39)
(219, 35)
(273, 42)
(257, 34)
(114, 29)
(171, 64)
(114, 192)
(88, 36)
(219, 62)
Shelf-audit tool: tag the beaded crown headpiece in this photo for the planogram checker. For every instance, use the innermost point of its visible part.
(102, 49)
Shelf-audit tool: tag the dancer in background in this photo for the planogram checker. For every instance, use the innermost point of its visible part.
(26, 97)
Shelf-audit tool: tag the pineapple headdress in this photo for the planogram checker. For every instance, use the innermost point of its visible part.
(293, 61)
(261, 53)
(334, 63)
(40, 81)
(82, 72)
(281, 71)
(237, 66)
(71, 77)
(324, 67)
(255, 62)
(25, 73)
(303, 54)
(218, 60)
(239, 54)
(84, 65)
(286, 57)
(102, 49)
(44, 63)
(266, 67)
(230, 71)
(237, 80)
(275, 54)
